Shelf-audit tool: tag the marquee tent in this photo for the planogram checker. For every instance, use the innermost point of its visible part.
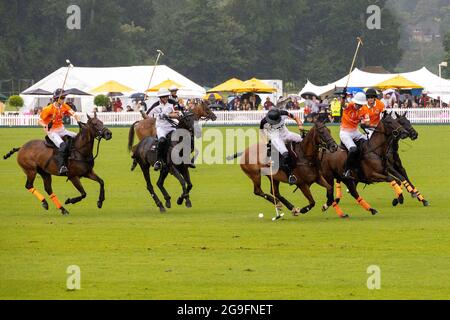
(431, 83)
(87, 79)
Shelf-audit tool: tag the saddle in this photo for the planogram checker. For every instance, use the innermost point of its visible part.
(292, 154)
(50, 144)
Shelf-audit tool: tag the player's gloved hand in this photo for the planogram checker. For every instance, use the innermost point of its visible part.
(50, 126)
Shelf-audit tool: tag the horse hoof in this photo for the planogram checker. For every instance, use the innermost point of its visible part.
(304, 210)
(401, 199)
(188, 204)
(296, 212)
(64, 212)
(180, 201)
(325, 208)
(426, 203)
(162, 209)
(345, 216)
(168, 204)
(45, 204)
(395, 202)
(373, 211)
(100, 204)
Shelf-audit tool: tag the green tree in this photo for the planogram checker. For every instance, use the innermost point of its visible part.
(446, 71)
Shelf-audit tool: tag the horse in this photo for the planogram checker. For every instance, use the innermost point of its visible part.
(307, 167)
(373, 164)
(38, 157)
(396, 166)
(147, 127)
(145, 156)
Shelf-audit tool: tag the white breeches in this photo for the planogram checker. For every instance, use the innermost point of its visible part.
(162, 132)
(280, 138)
(348, 138)
(57, 135)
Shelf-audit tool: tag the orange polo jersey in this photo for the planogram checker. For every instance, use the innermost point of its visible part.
(351, 117)
(375, 112)
(51, 113)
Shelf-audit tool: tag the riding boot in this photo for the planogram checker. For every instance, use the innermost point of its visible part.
(60, 159)
(160, 151)
(286, 165)
(350, 164)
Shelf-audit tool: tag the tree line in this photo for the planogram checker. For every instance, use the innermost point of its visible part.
(208, 40)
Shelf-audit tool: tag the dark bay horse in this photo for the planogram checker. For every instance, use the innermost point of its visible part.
(307, 167)
(147, 127)
(35, 157)
(373, 163)
(145, 156)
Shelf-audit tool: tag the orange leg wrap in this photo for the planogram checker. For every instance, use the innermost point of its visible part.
(419, 195)
(408, 186)
(364, 204)
(338, 191)
(56, 201)
(36, 193)
(398, 190)
(338, 209)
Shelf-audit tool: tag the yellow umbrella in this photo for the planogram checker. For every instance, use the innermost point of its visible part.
(229, 86)
(165, 84)
(112, 86)
(398, 82)
(257, 86)
(216, 96)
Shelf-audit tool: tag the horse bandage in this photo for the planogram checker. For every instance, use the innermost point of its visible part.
(419, 195)
(338, 191)
(398, 190)
(36, 193)
(338, 209)
(408, 186)
(55, 200)
(363, 204)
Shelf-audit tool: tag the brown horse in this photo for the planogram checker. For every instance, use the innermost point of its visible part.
(307, 167)
(147, 127)
(373, 164)
(37, 157)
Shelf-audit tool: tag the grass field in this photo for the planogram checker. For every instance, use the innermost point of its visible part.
(220, 249)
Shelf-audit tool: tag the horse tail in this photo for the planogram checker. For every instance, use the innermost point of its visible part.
(9, 155)
(131, 137)
(235, 156)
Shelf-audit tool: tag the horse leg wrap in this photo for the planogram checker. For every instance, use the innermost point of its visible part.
(398, 190)
(55, 200)
(364, 204)
(338, 191)
(419, 195)
(36, 193)
(408, 186)
(338, 209)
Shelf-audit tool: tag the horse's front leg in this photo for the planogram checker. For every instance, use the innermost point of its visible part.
(77, 184)
(180, 178)
(187, 178)
(96, 178)
(162, 178)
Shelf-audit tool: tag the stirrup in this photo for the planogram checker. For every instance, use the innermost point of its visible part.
(158, 165)
(292, 179)
(348, 174)
(63, 171)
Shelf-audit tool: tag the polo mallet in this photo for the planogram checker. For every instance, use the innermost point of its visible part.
(360, 43)
(69, 65)
(279, 215)
(160, 53)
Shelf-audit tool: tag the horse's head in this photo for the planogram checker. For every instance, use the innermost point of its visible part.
(202, 111)
(97, 129)
(325, 137)
(391, 127)
(406, 124)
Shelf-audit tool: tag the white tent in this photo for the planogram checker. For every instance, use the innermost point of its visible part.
(136, 77)
(431, 83)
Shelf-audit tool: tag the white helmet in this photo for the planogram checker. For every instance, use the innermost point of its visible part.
(173, 88)
(163, 93)
(360, 98)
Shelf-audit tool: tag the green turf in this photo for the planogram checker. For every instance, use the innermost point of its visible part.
(220, 249)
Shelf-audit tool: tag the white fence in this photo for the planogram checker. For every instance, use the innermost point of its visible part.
(224, 118)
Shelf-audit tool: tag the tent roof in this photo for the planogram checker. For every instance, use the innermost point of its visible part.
(228, 86)
(112, 86)
(423, 77)
(165, 84)
(137, 77)
(398, 82)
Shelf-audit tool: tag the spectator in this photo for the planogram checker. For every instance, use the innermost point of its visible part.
(268, 104)
(246, 106)
(387, 100)
(237, 104)
(117, 105)
(2, 107)
(130, 109)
